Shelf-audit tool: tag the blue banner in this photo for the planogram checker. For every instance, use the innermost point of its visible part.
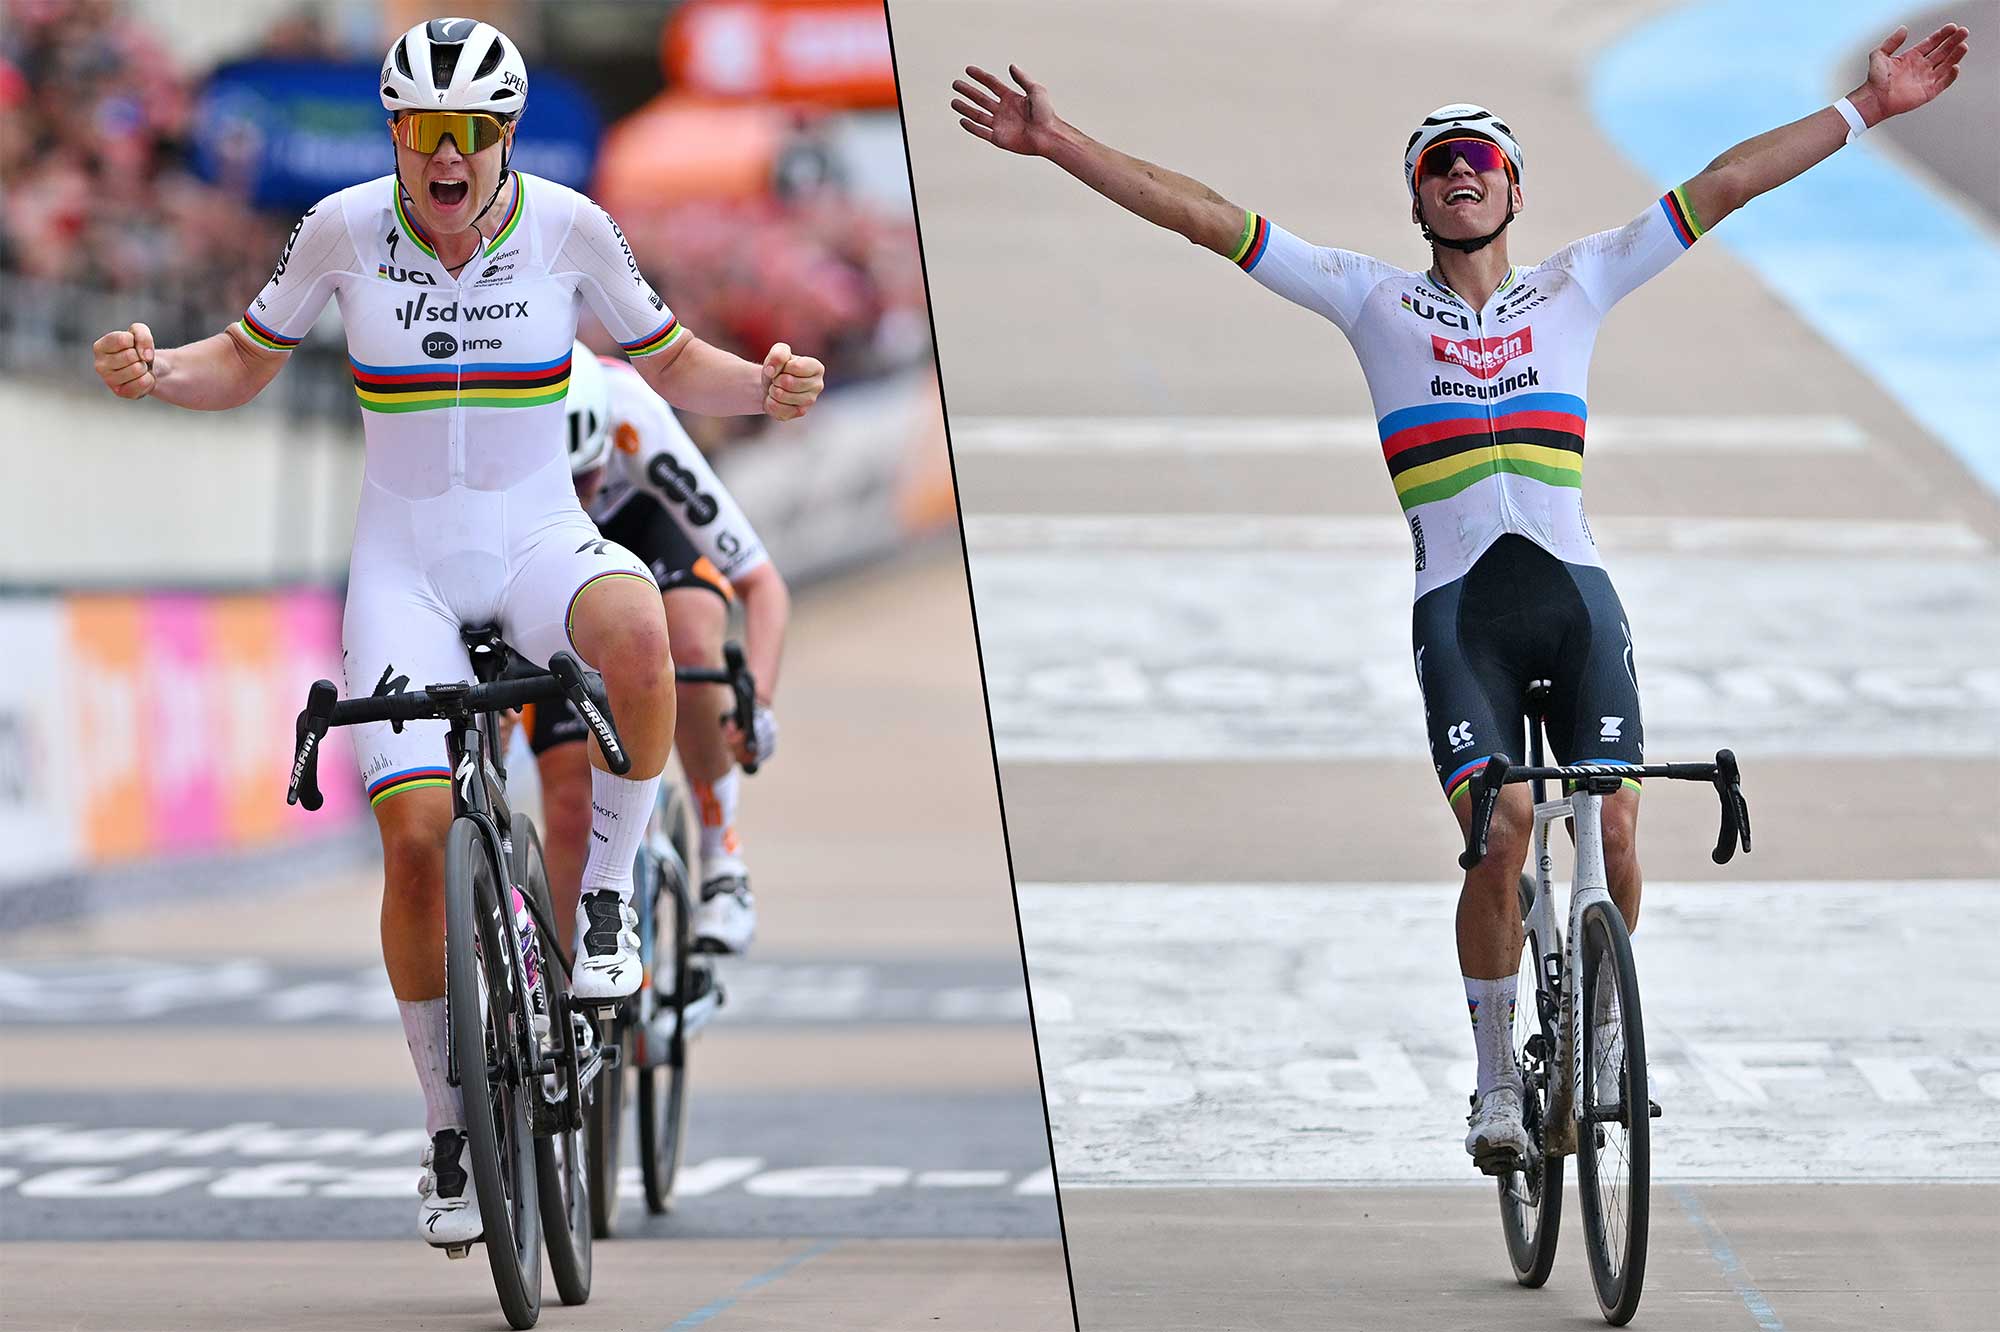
(290, 132)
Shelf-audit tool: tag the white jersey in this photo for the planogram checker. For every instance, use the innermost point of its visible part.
(461, 379)
(1481, 412)
(652, 455)
(467, 515)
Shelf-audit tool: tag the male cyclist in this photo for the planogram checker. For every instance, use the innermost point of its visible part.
(648, 488)
(1477, 370)
(459, 284)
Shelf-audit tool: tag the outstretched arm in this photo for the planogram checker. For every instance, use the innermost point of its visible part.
(1025, 122)
(212, 375)
(1896, 83)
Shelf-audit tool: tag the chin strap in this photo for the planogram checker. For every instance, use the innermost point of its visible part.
(1468, 246)
(505, 158)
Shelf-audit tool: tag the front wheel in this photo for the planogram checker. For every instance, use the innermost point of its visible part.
(559, 1158)
(1614, 1141)
(487, 1042)
(1531, 1197)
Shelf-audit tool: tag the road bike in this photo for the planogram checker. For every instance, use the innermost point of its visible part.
(1581, 1046)
(679, 996)
(526, 1082)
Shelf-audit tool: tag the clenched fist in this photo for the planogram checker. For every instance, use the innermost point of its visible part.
(124, 361)
(792, 384)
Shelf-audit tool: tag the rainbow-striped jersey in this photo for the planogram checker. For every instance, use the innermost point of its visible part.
(461, 377)
(1481, 412)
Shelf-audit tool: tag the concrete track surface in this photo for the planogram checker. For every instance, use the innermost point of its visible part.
(208, 1120)
(1193, 596)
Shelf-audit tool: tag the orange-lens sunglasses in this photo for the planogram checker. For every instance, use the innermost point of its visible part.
(423, 131)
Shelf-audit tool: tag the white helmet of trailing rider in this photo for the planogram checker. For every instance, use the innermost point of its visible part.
(587, 411)
(1460, 120)
(454, 64)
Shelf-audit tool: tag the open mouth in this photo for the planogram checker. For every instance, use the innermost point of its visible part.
(449, 193)
(1463, 194)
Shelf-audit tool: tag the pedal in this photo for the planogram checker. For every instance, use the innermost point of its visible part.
(1499, 1164)
(1652, 1108)
(457, 1250)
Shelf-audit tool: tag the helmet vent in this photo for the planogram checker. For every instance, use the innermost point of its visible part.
(403, 59)
(444, 59)
(490, 63)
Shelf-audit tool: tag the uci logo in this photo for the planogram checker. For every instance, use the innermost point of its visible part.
(439, 344)
(1423, 309)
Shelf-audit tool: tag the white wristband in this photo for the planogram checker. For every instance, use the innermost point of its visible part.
(1856, 126)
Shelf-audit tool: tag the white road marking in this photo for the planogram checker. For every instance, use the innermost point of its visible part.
(1283, 434)
(1812, 1030)
(1383, 533)
(1298, 654)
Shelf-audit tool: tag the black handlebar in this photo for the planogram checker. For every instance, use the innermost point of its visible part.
(742, 688)
(1722, 774)
(565, 678)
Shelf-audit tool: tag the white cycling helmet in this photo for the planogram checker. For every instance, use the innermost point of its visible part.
(454, 64)
(587, 411)
(1464, 120)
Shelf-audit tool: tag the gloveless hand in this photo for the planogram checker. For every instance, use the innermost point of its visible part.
(792, 384)
(124, 361)
(1021, 122)
(1899, 83)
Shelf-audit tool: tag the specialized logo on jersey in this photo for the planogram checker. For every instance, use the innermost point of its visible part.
(285, 255)
(1423, 309)
(1483, 357)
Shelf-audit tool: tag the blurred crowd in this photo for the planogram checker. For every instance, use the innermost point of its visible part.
(100, 211)
(94, 124)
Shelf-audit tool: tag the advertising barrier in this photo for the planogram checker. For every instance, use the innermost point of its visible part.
(159, 725)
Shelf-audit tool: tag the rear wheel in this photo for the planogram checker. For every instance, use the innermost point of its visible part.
(559, 1158)
(1614, 1142)
(1531, 1197)
(486, 1017)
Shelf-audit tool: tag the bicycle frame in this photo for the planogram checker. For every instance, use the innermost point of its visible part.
(1561, 962)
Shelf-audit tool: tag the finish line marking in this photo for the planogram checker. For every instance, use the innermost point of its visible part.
(708, 1311)
(1725, 1258)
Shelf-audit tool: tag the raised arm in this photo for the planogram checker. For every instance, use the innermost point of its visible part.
(699, 377)
(1024, 121)
(212, 375)
(1896, 84)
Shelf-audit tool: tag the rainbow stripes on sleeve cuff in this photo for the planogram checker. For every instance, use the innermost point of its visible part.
(1250, 246)
(265, 336)
(409, 779)
(661, 338)
(1680, 216)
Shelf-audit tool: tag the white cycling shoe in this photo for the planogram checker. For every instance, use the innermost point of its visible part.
(607, 963)
(1498, 1142)
(726, 920)
(449, 1212)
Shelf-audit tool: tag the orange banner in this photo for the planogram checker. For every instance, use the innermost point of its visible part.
(830, 52)
(106, 637)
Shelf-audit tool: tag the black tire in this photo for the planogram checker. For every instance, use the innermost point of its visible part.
(662, 1102)
(1531, 1198)
(1614, 1158)
(559, 1163)
(485, 1029)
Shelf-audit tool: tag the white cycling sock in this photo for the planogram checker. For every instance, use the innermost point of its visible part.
(619, 808)
(1492, 1005)
(424, 1029)
(719, 844)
